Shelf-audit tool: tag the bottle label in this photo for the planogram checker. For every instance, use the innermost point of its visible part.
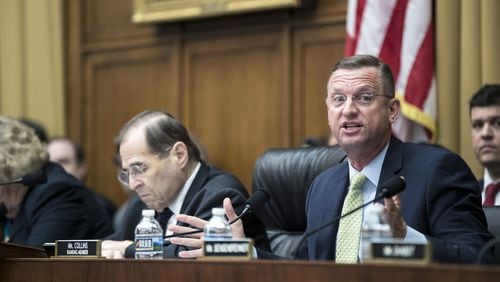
(144, 244)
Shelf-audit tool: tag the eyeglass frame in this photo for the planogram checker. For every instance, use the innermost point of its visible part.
(140, 169)
(354, 98)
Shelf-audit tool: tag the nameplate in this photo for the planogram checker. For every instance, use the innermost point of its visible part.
(400, 252)
(228, 249)
(78, 248)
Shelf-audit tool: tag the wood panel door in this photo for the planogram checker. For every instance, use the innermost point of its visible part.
(235, 97)
(119, 85)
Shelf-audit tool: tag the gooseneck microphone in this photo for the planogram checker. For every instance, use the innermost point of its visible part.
(391, 187)
(30, 179)
(259, 198)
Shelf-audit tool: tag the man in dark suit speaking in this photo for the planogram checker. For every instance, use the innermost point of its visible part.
(162, 164)
(441, 203)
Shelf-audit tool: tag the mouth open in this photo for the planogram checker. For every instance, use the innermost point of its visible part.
(351, 125)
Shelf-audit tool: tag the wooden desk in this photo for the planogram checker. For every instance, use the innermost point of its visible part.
(23, 269)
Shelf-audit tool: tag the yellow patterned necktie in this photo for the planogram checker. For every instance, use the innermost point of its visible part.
(347, 248)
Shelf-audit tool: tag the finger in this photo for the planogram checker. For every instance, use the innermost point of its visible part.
(191, 253)
(237, 227)
(117, 255)
(107, 254)
(228, 208)
(183, 229)
(392, 212)
(389, 204)
(188, 242)
(397, 200)
(191, 220)
(114, 249)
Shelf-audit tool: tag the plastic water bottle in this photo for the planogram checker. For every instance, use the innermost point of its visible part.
(375, 229)
(148, 237)
(218, 227)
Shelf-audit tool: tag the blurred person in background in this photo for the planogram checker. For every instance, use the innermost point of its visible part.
(484, 110)
(53, 205)
(72, 158)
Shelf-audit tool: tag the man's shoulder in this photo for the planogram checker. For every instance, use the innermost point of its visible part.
(333, 170)
(427, 151)
(58, 182)
(215, 177)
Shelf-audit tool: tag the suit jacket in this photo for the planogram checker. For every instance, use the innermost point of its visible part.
(208, 190)
(441, 200)
(61, 208)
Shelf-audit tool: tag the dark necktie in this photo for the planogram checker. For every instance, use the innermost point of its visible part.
(491, 192)
(163, 218)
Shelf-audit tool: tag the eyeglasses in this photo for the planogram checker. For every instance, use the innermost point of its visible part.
(363, 99)
(135, 171)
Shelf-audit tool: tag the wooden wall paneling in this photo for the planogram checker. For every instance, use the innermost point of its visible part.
(111, 20)
(316, 49)
(320, 11)
(120, 85)
(73, 65)
(235, 99)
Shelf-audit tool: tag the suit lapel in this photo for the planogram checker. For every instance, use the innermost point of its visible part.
(333, 199)
(197, 184)
(393, 162)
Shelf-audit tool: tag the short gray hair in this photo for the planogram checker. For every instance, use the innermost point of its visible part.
(361, 61)
(21, 151)
(162, 130)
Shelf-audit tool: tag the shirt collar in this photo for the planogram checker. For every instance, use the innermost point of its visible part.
(373, 169)
(486, 179)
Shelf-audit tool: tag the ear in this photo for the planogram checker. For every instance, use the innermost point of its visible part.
(81, 171)
(180, 153)
(394, 108)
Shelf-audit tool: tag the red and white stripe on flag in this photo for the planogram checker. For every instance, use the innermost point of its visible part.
(400, 33)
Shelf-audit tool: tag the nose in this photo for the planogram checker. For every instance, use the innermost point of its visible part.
(349, 106)
(133, 183)
(486, 130)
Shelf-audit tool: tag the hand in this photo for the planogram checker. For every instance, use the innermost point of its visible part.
(237, 226)
(114, 249)
(392, 211)
(194, 240)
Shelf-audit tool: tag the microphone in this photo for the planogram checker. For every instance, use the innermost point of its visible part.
(259, 198)
(30, 179)
(391, 187)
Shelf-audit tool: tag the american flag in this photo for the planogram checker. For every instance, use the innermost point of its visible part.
(401, 33)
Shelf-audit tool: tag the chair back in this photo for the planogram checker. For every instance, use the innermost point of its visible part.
(286, 174)
(493, 219)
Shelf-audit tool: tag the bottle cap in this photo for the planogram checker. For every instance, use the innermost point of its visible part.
(148, 212)
(218, 211)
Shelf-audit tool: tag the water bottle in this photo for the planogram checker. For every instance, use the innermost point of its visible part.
(375, 229)
(148, 237)
(218, 227)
